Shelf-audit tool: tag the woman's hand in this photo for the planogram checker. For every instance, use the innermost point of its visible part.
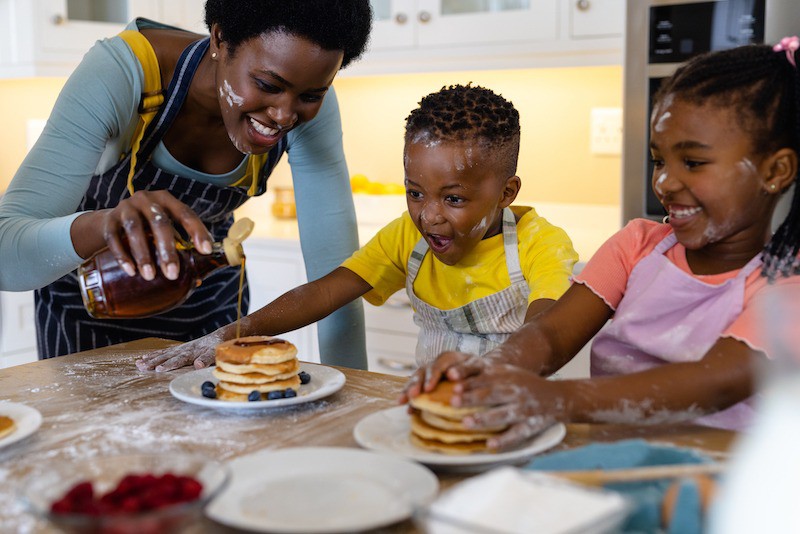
(524, 401)
(199, 353)
(138, 225)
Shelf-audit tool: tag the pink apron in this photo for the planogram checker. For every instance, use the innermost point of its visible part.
(668, 315)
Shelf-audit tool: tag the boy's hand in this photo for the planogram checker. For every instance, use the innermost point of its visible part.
(199, 352)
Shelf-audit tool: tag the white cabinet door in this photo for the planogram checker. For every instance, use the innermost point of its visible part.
(393, 24)
(597, 18)
(476, 22)
(275, 266)
(186, 14)
(17, 328)
(391, 336)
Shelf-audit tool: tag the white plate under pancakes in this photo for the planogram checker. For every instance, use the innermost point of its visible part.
(321, 490)
(388, 431)
(27, 421)
(324, 381)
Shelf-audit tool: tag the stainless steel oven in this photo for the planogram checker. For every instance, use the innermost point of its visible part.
(660, 36)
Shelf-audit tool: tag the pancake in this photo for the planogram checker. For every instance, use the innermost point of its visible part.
(7, 426)
(255, 349)
(421, 429)
(438, 403)
(266, 369)
(293, 382)
(449, 448)
(251, 378)
(450, 424)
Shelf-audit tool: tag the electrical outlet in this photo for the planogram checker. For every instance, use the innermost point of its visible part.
(606, 131)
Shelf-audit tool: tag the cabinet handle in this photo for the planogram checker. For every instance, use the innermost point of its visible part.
(58, 19)
(397, 365)
(424, 16)
(401, 18)
(583, 5)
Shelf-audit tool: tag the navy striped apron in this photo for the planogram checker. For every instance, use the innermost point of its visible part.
(62, 324)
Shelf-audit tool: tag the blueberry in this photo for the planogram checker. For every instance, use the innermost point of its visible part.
(289, 392)
(272, 395)
(210, 393)
(305, 378)
(208, 384)
(254, 396)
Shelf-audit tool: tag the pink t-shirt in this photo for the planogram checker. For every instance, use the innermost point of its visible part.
(606, 274)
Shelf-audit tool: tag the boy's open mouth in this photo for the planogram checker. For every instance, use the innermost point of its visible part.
(439, 243)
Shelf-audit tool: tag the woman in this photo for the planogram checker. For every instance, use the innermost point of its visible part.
(234, 102)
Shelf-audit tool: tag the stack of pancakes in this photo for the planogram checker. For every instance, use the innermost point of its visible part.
(7, 426)
(255, 363)
(437, 426)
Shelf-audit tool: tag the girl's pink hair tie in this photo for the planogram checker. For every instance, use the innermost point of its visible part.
(790, 46)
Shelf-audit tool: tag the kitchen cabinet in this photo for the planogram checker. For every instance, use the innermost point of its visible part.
(49, 37)
(274, 266)
(433, 35)
(17, 328)
(391, 336)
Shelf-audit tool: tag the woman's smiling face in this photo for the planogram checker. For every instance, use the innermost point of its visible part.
(708, 178)
(455, 195)
(271, 84)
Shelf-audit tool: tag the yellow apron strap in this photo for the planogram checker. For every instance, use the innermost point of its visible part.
(152, 95)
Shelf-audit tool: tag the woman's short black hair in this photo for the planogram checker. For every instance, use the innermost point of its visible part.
(468, 113)
(332, 24)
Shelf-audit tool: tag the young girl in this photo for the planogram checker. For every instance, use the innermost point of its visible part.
(472, 266)
(682, 295)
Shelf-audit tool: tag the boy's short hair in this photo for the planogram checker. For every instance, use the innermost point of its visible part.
(468, 113)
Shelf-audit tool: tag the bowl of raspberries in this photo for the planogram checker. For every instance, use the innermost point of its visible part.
(135, 494)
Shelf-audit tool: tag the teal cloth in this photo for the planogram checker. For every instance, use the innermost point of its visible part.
(645, 497)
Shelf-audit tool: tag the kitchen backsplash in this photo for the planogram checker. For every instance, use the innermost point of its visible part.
(555, 106)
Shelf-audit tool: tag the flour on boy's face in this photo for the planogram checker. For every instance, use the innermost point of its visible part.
(454, 192)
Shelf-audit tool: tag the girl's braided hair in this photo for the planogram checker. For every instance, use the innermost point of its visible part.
(468, 113)
(763, 86)
(332, 24)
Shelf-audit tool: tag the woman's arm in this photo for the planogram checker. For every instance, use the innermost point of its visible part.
(36, 213)
(327, 222)
(294, 309)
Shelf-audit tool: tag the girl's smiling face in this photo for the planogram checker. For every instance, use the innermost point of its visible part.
(709, 180)
(455, 195)
(271, 84)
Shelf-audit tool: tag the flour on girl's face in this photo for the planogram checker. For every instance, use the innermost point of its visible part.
(230, 96)
(661, 113)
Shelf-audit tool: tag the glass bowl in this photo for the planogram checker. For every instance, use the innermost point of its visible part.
(49, 484)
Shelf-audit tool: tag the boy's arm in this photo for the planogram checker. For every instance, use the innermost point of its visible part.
(294, 309)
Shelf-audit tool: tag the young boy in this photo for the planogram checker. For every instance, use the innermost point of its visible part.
(473, 267)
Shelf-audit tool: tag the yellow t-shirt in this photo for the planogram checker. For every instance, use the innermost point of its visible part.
(545, 254)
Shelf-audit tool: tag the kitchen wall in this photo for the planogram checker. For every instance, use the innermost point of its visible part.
(555, 105)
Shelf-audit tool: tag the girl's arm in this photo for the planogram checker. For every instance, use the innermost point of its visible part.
(671, 393)
(294, 309)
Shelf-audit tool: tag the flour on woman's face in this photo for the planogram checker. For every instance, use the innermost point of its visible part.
(229, 95)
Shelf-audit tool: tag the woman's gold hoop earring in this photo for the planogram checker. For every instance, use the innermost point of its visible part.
(665, 220)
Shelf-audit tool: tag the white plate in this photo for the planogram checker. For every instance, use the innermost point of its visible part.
(388, 431)
(324, 381)
(320, 490)
(27, 419)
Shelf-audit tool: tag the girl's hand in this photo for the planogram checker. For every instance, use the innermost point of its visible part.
(425, 378)
(523, 400)
(199, 353)
(147, 221)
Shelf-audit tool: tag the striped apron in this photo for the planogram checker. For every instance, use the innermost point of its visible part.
(480, 325)
(62, 324)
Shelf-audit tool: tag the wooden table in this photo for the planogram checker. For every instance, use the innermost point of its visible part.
(97, 403)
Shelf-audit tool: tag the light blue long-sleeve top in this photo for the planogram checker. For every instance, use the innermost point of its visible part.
(93, 122)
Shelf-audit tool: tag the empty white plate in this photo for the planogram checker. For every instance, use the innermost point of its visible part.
(321, 490)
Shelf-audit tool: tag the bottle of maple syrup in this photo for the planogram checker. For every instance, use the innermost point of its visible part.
(110, 293)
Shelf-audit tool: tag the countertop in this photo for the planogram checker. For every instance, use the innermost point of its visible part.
(588, 225)
(96, 403)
